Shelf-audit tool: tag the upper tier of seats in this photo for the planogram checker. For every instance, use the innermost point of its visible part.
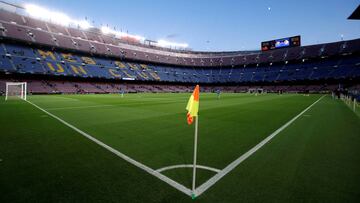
(18, 27)
(25, 59)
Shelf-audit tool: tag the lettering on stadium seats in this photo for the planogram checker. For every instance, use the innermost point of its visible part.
(144, 66)
(142, 74)
(59, 68)
(133, 66)
(114, 73)
(68, 58)
(150, 71)
(120, 64)
(88, 60)
(139, 72)
(123, 67)
(127, 74)
(46, 54)
(154, 75)
(78, 70)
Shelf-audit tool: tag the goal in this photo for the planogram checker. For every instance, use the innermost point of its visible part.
(16, 90)
(255, 91)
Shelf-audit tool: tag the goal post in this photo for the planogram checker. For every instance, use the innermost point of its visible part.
(16, 90)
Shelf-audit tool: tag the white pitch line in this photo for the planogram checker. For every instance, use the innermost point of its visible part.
(151, 171)
(67, 98)
(78, 107)
(187, 166)
(202, 188)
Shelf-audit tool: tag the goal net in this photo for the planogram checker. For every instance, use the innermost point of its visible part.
(16, 90)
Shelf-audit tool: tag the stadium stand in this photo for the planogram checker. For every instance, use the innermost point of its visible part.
(36, 48)
(24, 59)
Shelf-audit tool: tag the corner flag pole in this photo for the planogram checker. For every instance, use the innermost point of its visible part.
(193, 108)
(195, 154)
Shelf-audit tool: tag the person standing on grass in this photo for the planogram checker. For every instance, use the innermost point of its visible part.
(218, 92)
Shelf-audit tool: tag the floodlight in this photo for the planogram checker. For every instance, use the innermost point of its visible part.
(164, 43)
(84, 24)
(54, 17)
(107, 30)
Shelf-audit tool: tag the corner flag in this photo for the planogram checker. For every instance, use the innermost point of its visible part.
(193, 108)
(193, 105)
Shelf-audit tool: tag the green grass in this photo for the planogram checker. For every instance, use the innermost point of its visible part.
(314, 159)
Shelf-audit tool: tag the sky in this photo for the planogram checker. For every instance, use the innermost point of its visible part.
(218, 25)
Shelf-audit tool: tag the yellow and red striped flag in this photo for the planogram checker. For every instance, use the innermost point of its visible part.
(193, 105)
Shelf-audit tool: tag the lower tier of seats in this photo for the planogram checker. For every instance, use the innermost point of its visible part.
(41, 86)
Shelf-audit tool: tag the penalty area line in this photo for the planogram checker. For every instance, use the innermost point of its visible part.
(155, 173)
(202, 188)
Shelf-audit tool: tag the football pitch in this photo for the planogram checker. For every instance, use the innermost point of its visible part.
(139, 148)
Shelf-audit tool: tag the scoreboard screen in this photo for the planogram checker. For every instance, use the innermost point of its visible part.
(281, 43)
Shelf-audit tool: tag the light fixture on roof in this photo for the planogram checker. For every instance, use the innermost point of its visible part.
(164, 43)
(54, 16)
(84, 24)
(44, 14)
(107, 30)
